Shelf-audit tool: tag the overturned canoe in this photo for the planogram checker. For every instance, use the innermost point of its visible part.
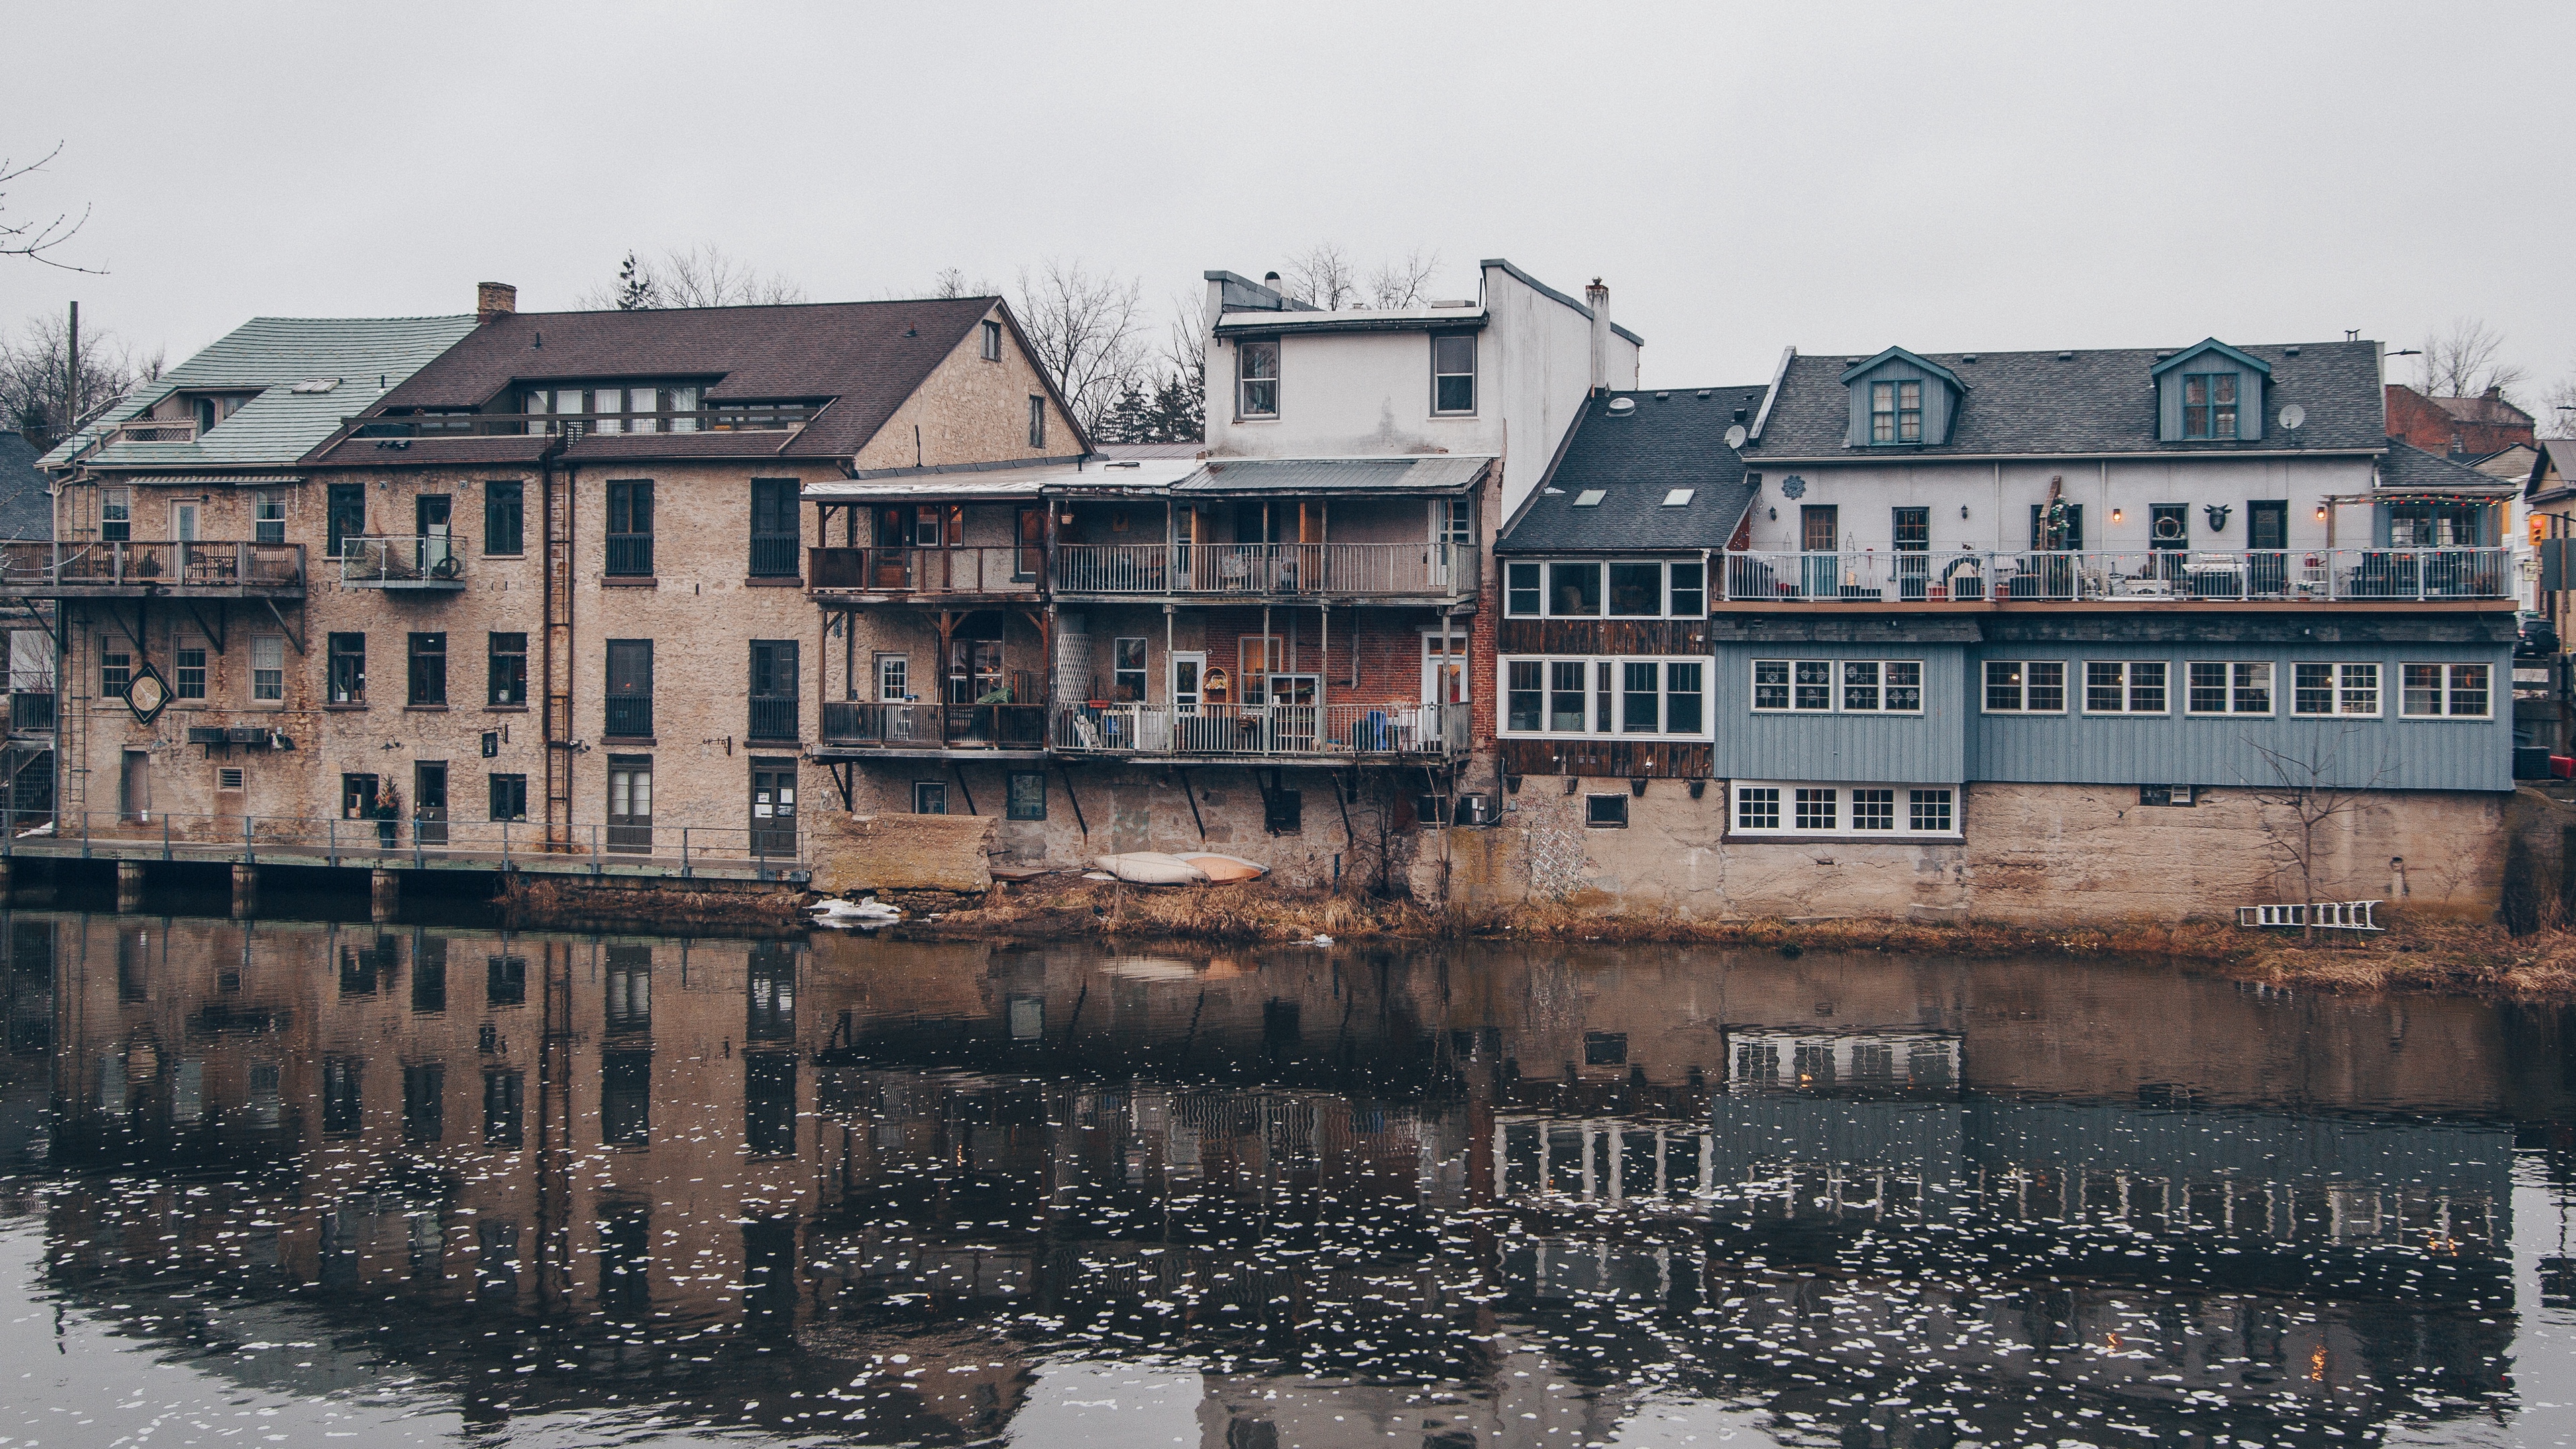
(1151, 867)
(1223, 868)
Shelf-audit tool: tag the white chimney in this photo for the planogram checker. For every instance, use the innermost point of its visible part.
(1597, 297)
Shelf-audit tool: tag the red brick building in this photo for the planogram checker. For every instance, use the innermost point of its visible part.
(2457, 427)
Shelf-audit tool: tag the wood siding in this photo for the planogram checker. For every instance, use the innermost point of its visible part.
(1608, 759)
(1603, 636)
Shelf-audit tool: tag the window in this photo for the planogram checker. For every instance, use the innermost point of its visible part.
(268, 516)
(774, 528)
(2134, 687)
(1765, 807)
(504, 523)
(1865, 686)
(894, 677)
(1689, 590)
(929, 797)
(506, 671)
(348, 666)
(2166, 795)
(774, 687)
(2209, 405)
(1605, 812)
(1027, 795)
(267, 669)
(630, 802)
(347, 515)
(1882, 686)
(2229, 688)
(115, 514)
(630, 529)
(1256, 378)
(2426, 526)
(1896, 412)
(1625, 696)
(2456, 691)
(1127, 685)
(991, 348)
(505, 980)
(2348, 689)
(629, 998)
(115, 668)
(509, 797)
(1521, 594)
(625, 1120)
(630, 688)
(1453, 373)
(1636, 590)
(1590, 497)
(428, 656)
(1574, 589)
(189, 675)
(2025, 686)
(1679, 497)
(1037, 421)
(502, 1096)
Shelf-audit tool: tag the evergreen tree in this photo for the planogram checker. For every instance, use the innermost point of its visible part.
(635, 292)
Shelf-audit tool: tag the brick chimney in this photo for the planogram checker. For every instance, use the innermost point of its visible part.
(494, 301)
(1597, 297)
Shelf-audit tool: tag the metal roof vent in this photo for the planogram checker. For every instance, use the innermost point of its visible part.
(1590, 497)
(1703, 392)
(1967, 357)
(2290, 351)
(2066, 357)
(1620, 407)
(1663, 396)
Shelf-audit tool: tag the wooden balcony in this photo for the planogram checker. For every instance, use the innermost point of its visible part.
(1332, 732)
(1267, 570)
(35, 569)
(912, 572)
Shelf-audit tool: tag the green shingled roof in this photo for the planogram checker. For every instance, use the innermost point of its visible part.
(274, 354)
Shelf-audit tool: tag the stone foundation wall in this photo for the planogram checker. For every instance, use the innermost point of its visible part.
(2032, 855)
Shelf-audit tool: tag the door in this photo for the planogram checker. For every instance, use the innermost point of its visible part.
(630, 803)
(358, 801)
(1030, 528)
(1820, 573)
(1452, 530)
(773, 808)
(431, 515)
(134, 786)
(1913, 539)
(1292, 713)
(2267, 541)
(429, 802)
(890, 563)
(183, 522)
(1189, 727)
(347, 515)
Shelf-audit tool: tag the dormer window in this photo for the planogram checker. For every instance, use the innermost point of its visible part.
(1896, 412)
(2209, 405)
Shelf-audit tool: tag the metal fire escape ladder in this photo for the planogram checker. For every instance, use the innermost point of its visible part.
(558, 653)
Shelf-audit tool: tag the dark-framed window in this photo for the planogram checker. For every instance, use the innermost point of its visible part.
(929, 797)
(769, 1103)
(347, 516)
(424, 1102)
(1027, 797)
(1453, 373)
(1896, 412)
(630, 989)
(774, 528)
(630, 529)
(992, 343)
(348, 665)
(428, 659)
(1256, 377)
(1913, 527)
(503, 1095)
(1521, 593)
(1605, 812)
(2209, 405)
(505, 981)
(1127, 671)
(630, 688)
(506, 671)
(509, 797)
(504, 517)
(1037, 421)
(773, 689)
(626, 1100)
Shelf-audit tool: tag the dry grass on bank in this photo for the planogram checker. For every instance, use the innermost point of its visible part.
(559, 905)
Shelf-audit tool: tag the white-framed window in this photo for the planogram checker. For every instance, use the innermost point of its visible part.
(1821, 686)
(188, 670)
(115, 514)
(2025, 686)
(2133, 686)
(268, 515)
(1619, 588)
(2448, 691)
(267, 668)
(1863, 811)
(1453, 374)
(2338, 689)
(1625, 696)
(2228, 687)
(894, 677)
(1256, 377)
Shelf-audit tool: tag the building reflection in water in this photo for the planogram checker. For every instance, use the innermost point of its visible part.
(870, 1190)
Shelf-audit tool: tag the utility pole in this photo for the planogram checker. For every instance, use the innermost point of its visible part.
(71, 376)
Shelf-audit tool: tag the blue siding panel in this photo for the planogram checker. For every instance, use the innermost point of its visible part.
(1925, 749)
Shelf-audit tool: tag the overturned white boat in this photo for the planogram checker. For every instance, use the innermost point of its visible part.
(1150, 867)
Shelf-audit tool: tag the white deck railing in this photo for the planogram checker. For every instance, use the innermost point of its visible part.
(1973, 576)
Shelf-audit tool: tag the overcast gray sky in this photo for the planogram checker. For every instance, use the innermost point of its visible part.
(1745, 177)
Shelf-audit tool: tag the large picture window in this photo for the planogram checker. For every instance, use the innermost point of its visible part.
(2124, 686)
(1626, 696)
(2447, 691)
(2025, 686)
(2336, 689)
(1864, 811)
(2228, 687)
(1632, 589)
(1821, 686)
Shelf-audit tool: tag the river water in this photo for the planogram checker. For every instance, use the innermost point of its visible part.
(289, 1182)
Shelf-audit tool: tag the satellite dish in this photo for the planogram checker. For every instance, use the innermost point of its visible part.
(1735, 436)
(2293, 417)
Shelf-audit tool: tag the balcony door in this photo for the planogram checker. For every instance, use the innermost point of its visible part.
(1819, 538)
(1029, 526)
(429, 801)
(2267, 536)
(431, 515)
(1293, 719)
(630, 803)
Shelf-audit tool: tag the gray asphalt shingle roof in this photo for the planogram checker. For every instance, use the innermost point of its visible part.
(1441, 473)
(2408, 466)
(1676, 438)
(2099, 401)
(273, 354)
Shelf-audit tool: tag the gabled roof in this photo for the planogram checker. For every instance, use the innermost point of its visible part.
(866, 357)
(2050, 404)
(2211, 344)
(2554, 455)
(366, 355)
(26, 507)
(1674, 438)
(1853, 372)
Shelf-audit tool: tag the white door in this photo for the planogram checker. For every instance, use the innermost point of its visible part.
(1444, 670)
(183, 522)
(1189, 672)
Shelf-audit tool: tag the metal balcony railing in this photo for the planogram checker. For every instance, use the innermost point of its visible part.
(1004, 570)
(2339, 575)
(628, 716)
(1264, 729)
(773, 556)
(904, 725)
(83, 566)
(630, 555)
(402, 561)
(773, 719)
(775, 845)
(31, 713)
(1267, 569)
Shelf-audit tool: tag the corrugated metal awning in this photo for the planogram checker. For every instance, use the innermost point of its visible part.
(210, 480)
(1440, 473)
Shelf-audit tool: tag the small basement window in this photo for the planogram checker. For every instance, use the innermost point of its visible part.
(1678, 497)
(1590, 497)
(1605, 812)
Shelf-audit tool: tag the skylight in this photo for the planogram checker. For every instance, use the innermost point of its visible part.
(317, 384)
(1590, 497)
(1678, 497)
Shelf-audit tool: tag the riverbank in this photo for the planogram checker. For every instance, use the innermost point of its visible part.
(2480, 960)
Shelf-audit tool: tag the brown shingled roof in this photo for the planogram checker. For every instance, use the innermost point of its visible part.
(867, 357)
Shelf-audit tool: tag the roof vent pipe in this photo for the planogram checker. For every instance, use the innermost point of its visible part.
(1597, 297)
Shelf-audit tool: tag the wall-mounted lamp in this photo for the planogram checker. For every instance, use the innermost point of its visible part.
(2321, 513)
(2115, 515)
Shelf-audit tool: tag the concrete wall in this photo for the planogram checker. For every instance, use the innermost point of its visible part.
(2032, 854)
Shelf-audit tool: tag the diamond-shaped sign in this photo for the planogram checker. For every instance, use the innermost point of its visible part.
(147, 693)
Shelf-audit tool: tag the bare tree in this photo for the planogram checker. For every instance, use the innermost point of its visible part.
(2302, 793)
(702, 276)
(1088, 331)
(33, 376)
(1322, 276)
(1405, 282)
(2467, 360)
(36, 239)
